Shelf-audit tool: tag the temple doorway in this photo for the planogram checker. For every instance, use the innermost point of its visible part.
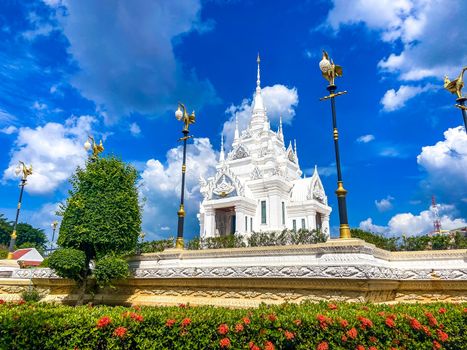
(225, 221)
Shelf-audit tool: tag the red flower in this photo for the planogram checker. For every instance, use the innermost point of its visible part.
(344, 323)
(297, 322)
(224, 343)
(182, 306)
(223, 329)
(21, 302)
(186, 322)
(426, 330)
(120, 332)
(289, 335)
(390, 322)
(252, 346)
(360, 347)
(137, 317)
(170, 322)
(137, 307)
(381, 313)
(344, 338)
(323, 321)
(373, 339)
(365, 322)
(332, 306)
(322, 346)
(442, 310)
(436, 345)
(2, 301)
(352, 333)
(268, 345)
(246, 320)
(103, 322)
(372, 348)
(415, 324)
(442, 335)
(238, 327)
(365, 308)
(465, 309)
(272, 317)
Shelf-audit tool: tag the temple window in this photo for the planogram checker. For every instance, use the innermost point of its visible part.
(263, 212)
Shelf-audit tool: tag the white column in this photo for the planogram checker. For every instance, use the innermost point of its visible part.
(312, 220)
(209, 223)
(325, 225)
(239, 220)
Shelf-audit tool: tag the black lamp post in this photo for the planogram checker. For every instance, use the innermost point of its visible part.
(181, 114)
(25, 171)
(330, 71)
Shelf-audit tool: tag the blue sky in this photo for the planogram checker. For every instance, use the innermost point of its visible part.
(116, 70)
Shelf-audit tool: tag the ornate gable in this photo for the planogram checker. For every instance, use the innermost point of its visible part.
(239, 152)
(223, 185)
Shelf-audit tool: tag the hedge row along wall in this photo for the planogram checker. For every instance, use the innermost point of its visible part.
(288, 326)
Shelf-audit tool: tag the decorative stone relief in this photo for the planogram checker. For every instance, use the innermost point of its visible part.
(239, 152)
(224, 187)
(256, 174)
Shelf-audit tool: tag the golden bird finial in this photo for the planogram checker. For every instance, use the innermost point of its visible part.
(455, 86)
(329, 70)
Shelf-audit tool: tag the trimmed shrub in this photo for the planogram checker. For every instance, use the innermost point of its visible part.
(287, 326)
(110, 268)
(31, 295)
(68, 263)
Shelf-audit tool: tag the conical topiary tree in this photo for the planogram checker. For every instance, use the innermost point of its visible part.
(102, 219)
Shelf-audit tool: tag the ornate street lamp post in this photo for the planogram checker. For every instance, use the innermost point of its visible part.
(96, 148)
(455, 87)
(181, 114)
(54, 228)
(25, 171)
(330, 71)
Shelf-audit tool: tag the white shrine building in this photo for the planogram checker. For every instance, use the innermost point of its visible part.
(258, 184)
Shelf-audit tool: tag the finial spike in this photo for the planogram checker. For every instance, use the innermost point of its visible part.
(258, 79)
(221, 155)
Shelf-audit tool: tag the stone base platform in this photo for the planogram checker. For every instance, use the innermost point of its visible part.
(340, 270)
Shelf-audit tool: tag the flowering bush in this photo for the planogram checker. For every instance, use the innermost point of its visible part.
(289, 326)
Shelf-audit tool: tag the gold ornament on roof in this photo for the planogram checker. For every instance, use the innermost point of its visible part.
(455, 86)
(329, 70)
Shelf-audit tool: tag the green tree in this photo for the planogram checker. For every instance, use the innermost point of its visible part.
(387, 243)
(5, 230)
(101, 216)
(28, 234)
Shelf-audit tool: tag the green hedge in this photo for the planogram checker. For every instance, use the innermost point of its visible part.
(288, 326)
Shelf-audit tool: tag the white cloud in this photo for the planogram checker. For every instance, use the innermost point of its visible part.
(135, 129)
(160, 186)
(6, 117)
(126, 54)
(390, 151)
(368, 225)
(54, 150)
(279, 100)
(394, 100)
(366, 138)
(39, 106)
(446, 165)
(9, 130)
(384, 204)
(412, 225)
(431, 33)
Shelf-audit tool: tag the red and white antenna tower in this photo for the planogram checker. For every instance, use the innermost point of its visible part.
(435, 211)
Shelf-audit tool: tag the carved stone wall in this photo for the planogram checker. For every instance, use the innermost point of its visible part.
(349, 270)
